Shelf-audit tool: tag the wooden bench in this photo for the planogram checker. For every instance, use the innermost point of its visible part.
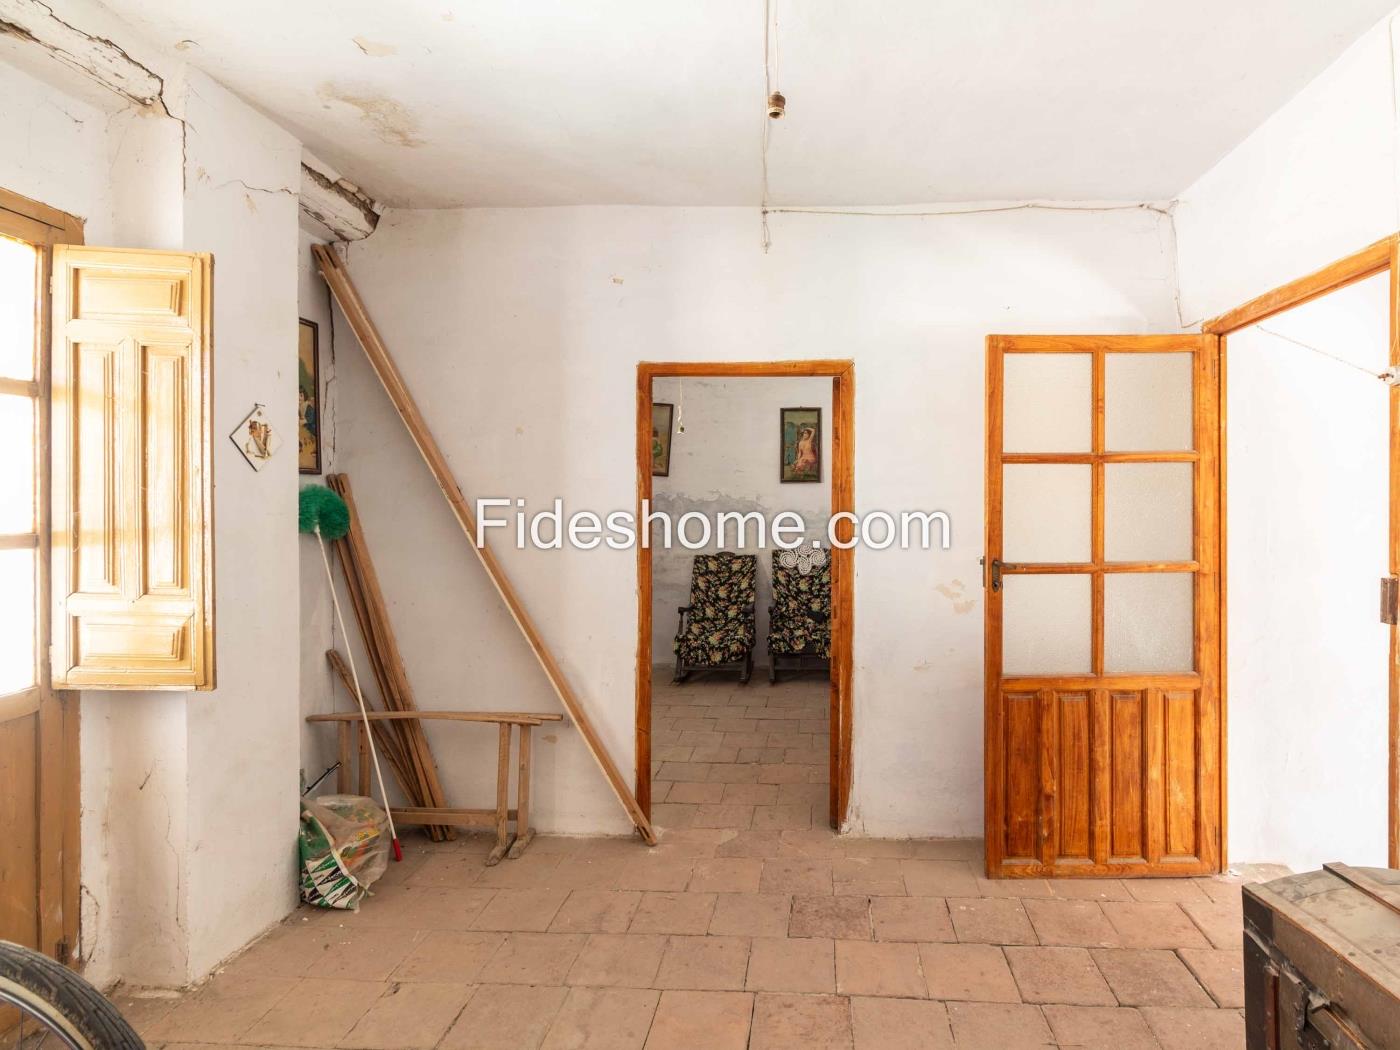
(354, 745)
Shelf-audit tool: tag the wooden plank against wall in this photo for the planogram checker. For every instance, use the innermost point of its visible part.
(338, 278)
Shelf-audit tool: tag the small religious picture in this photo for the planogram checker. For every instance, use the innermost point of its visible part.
(256, 439)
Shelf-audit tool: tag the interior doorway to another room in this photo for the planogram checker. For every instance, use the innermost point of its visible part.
(743, 678)
(1307, 427)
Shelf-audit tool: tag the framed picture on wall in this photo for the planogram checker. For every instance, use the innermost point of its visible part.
(801, 444)
(661, 416)
(309, 399)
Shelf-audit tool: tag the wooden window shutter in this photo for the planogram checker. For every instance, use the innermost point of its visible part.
(132, 518)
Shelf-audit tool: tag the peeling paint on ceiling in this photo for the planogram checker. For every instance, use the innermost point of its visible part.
(495, 102)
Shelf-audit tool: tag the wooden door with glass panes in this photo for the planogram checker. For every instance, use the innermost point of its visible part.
(1102, 723)
(38, 726)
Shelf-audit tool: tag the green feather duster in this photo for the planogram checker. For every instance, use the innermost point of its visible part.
(320, 510)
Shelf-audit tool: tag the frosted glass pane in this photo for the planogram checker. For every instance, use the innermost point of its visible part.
(1149, 622)
(16, 620)
(16, 463)
(1046, 512)
(1148, 511)
(1045, 624)
(1048, 400)
(1147, 402)
(18, 285)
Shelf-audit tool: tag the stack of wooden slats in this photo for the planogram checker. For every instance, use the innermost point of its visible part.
(402, 742)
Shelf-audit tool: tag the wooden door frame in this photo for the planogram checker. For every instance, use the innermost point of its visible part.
(843, 378)
(59, 781)
(1373, 259)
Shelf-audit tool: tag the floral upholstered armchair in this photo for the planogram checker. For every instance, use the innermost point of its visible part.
(799, 620)
(717, 628)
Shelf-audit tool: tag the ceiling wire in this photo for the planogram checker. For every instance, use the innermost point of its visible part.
(769, 79)
(1382, 376)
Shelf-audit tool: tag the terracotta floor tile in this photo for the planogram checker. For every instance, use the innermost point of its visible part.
(622, 960)
(976, 972)
(1022, 888)
(751, 794)
(534, 958)
(900, 1024)
(1153, 925)
(1091, 889)
(1220, 971)
(972, 851)
(796, 876)
(792, 964)
(999, 1026)
(1178, 1029)
(316, 1013)
(652, 870)
(816, 843)
(665, 815)
(1147, 977)
(704, 963)
(456, 956)
(505, 1017)
(696, 792)
(1101, 1028)
(1058, 975)
(410, 1016)
(891, 969)
(726, 875)
(723, 815)
(596, 911)
(990, 920)
(1170, 891)
(1222, 889)
(750, 843)
(531, 871)
(673, 913)
(843, 918)
(751, 914)
(524, 910)
(1071, 923)
(785, 817)
(692, 1020)
(938, 878)
(1223, 924)
(438, 907)
(808, 1022)
(223, 1009)
(868, 876)
(911, 919)
(733, 773)
(603, 1019)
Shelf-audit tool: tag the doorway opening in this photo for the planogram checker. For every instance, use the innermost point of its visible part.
(743, 713)
(1309, 422)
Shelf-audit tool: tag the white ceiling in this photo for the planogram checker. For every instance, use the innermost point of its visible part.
(533, 102)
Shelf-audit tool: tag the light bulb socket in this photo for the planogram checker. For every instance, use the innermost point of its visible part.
(777, 105)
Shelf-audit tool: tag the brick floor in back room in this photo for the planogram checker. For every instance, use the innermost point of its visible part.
(767, 932)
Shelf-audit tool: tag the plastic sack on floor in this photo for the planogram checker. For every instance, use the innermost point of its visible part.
(344, 846)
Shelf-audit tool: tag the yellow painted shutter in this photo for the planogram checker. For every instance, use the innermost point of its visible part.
(132, 521)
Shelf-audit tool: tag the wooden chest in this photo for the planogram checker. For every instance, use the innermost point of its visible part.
(1322, 961)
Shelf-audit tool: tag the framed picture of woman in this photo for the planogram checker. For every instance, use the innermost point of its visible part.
(801, 444)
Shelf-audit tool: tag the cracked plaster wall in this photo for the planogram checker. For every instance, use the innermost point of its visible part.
(188, 799)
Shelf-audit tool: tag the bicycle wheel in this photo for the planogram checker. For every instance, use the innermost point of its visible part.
(46, 1006)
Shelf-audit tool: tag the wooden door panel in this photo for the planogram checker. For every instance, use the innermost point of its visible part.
(133, 596)
(19, 816)
(1098, 773)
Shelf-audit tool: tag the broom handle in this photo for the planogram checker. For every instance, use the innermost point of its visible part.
(359, 697)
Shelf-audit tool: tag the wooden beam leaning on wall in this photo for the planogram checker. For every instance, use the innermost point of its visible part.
(338, 278)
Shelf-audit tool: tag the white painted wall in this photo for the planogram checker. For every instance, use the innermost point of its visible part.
(1315, 182)
(519, 332)
(1308, 523)
(727, 459)
(318, 633)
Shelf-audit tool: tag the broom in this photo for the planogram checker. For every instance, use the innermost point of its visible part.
(323, 514)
